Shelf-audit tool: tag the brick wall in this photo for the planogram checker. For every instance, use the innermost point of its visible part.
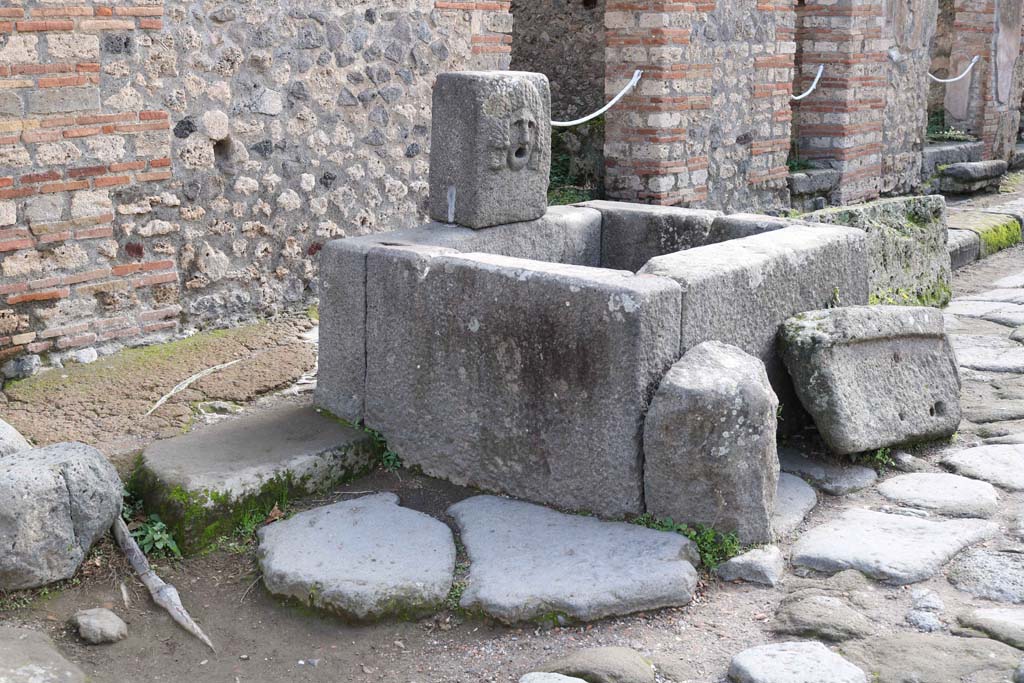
(166, 166)
(709, 124)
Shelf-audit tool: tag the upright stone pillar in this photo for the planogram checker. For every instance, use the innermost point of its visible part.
(709, 124)
(842, 122)
(987, 104)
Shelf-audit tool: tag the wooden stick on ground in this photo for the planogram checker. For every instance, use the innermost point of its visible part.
(164, 594)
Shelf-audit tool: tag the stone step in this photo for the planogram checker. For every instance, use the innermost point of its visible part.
(964, 247)
(202, 483)
(943, 154)
(969, 177)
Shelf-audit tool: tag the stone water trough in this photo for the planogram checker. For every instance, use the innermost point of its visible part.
(517, 348)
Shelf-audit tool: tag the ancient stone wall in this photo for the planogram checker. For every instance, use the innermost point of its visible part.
(170, 163)
(709, 124)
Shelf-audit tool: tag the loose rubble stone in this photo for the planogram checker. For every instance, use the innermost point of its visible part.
(820, 616)
(516, 424)
(527, 561)
(795, 498)
(11, 440)
(99, 626)
(874, 376)
(796, 662)
(830, 477)
(926, 622)
(604, 665)
(1005, 624)
(990, 574)
(28, 656)
(490, 147)
(891, 548)
(927, 600)
(946, 494)
(58, 501)
(912, 657)
(709, 443)
(364, 558)
(541, 677)
(761, 565)
(999, 464)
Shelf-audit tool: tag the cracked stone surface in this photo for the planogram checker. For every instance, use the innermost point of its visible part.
(946, 494)
(892, 548)
(528, 560)
(364, 558)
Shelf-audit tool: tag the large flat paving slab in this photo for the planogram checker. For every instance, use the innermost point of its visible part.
(946, 494)
(528, 561)
(999, 464)
(895, 549)
(794, 662)
(201, 480)
(365, 558)
(794, 499)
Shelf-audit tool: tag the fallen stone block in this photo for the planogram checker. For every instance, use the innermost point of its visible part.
(518, 376)
(58, 501)
(204, 482)
(490, 147)
(908, 258)
(872, 377)
(365, 558)
(760, 565)
(564, 234)
(968, 177)
(28, 656)
(709, 443)
(788, 662)
(739, 292)
(946, 153)
(996, 231)
(528, 561)
(895, 549)
(11, 440)
(738, 225)
(632, 234)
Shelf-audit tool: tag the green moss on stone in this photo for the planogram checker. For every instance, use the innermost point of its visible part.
(1001, 236)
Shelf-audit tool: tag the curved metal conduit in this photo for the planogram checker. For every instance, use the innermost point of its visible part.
(814, 85)
(629, 86)
(961, 76)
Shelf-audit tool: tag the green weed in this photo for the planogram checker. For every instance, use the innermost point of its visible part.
(714, 546)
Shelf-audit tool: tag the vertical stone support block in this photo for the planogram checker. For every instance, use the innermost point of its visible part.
(841, 124)
(709, 124)
(987, 104)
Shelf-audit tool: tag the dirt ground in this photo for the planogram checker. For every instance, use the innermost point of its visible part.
(259, 638)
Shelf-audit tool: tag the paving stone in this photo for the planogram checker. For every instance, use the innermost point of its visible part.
(229, 464)
(1010, 315)
(58, 501)
(99, 625)
(928, 658)
(830, 477)
(11, 440)
(946, 494)
(1008, 295)
(738, 292)
(1010, 281)
(797, 662)
(964, 248)
(28, 656)
(709, 443)
(603, 665)
(1005, 624)
(528, 561)
(760, 565)
(873, 376)
(991, 574)
(999, 464)
(891, 548)
(518, 422)
(988, 353)
(364, 558)
(541, 677)
(820, 616)
(795, 498)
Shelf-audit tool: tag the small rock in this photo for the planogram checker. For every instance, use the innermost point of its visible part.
(931, 658)
(22, 366)
(83, 356)
(820, 616)
(28, 656)
(926, 622)
(99, 626)
(927, 600)
(793, 662)
(218, 408)
(603, 665)
(542, 677)
(830, 477)
(761, 565)
(905, 462)
(11, 440)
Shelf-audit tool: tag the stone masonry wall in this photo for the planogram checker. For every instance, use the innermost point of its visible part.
(709, 124)
(176, 163)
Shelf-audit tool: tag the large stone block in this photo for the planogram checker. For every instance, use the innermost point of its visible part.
(709, 443)
(907, 253)
(62, 100)
(518, 376)
(564, 235)
(874, 376)
(632, 234)
(490, 147)
(739, 292)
